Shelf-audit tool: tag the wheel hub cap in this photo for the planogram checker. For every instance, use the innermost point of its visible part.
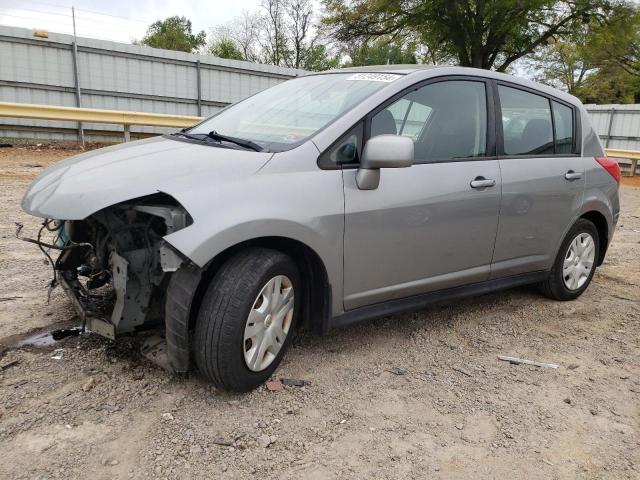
(578, 261)
(268, 323)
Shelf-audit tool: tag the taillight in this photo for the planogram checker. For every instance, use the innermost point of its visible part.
(611, 166)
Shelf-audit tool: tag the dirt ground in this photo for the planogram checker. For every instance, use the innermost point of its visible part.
(420, 395)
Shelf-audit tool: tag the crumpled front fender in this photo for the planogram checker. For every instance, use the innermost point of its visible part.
(82, 185)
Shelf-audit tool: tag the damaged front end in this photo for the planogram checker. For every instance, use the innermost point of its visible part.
(115, 264)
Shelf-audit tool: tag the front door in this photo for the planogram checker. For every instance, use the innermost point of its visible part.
(432, 225)
(542, 180)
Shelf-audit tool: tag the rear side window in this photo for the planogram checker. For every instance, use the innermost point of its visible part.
(563, 122)
(446, 120)
(526, 122)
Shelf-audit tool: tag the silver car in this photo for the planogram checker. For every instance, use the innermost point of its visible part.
(324, 201)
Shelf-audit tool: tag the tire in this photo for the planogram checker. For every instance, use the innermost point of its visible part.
(236, 291)
(557, 285)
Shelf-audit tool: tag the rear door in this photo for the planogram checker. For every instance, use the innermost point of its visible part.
(542, 178)
(432, 225)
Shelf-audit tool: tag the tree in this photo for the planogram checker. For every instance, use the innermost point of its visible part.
(381, 51)
(478, 33)
(298, 25)
(273, 41)
(225, 48)
(245, 33)
(282, 33)
(174, 33)
(618, 40)
(317, 59)
(596, 62)
(564, 63)
(610, 84)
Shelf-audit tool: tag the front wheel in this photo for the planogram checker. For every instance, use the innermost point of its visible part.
(246, 319)
(575, 264)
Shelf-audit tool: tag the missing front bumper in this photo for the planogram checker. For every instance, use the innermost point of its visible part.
(87, 309)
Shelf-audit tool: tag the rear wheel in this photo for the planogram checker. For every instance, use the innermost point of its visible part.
(246, 319)
(575, 264)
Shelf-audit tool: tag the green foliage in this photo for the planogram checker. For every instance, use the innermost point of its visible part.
(174, 33)
(318, 59)
(618, 39)
(381, 51)
(226, 48)
(610, 84)
(598, 62)
(476, 33)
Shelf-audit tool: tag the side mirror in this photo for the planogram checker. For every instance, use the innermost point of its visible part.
(383, 151)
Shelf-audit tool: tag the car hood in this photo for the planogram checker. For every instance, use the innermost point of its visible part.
(84, 184)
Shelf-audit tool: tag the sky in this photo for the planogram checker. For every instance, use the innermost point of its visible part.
(118, 20)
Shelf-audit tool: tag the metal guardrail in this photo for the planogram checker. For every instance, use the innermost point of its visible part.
(617, 153)
(630, 155)
(94, 115)
(118, 117)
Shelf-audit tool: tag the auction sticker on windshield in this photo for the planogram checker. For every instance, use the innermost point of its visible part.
(375, 77)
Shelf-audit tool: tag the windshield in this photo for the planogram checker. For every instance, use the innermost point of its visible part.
(294, 110)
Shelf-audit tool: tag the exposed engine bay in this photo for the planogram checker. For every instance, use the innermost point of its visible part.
(115, 265)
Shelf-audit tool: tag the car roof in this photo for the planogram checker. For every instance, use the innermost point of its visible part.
(423, 72)
(401, 69)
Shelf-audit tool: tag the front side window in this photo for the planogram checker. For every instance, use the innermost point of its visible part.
(446, 120)
(526, 122)
(563, 121)
(294, 110)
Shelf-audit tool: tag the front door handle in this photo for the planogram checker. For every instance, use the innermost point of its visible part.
(571, 175)
(481, 182)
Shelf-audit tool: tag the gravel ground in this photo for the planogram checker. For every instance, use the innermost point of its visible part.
(419, 395)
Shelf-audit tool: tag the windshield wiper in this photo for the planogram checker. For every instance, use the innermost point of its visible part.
(182, 133)
(238, 141)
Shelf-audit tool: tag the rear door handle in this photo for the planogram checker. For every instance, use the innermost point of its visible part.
(481, 182)
(571, 175)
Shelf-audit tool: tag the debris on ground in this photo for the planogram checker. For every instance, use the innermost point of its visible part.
(274, 385)
(524, 361)
(265, 440)
(462, 371)
(294, 382)
(88, 384)
(397, 371)
(66, 332)
(9, 299)
(58, 353)
(222, 442)
(9, 365)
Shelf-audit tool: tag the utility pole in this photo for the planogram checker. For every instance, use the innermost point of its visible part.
(74, 51)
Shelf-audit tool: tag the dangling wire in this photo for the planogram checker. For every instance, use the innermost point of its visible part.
(41, 245)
